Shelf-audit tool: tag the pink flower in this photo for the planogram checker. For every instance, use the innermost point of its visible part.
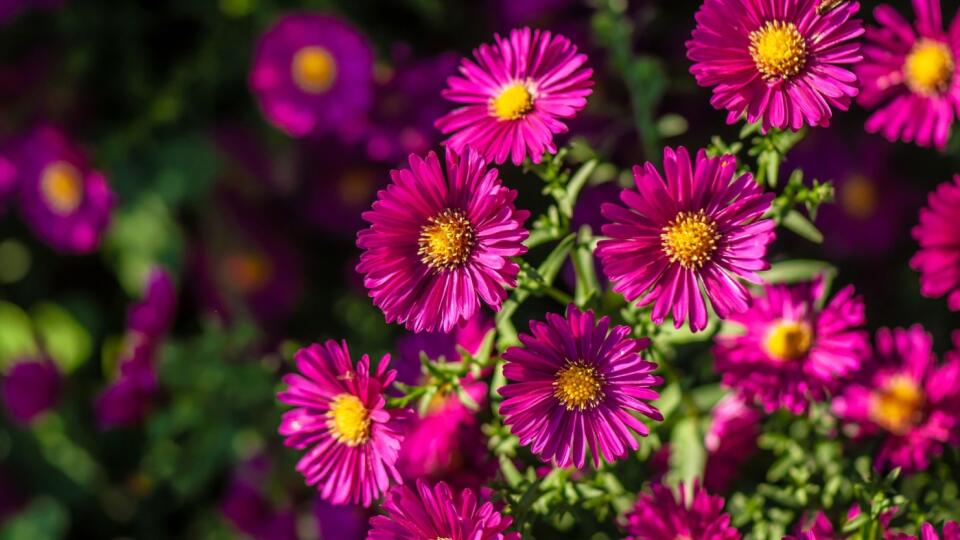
(661, 516)
(730, 441)
(514, 95)
(938, 259)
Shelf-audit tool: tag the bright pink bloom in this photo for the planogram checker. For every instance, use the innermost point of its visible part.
(441, 245)
(951, 531)
(906, 396)
(779, 63)
(938, 259)
(514, 94)
(791, 352)
(577, 383)
(351, 439)
(662, 516)
(907, 72)
(702, 227)
(730, 441)
(435, 512)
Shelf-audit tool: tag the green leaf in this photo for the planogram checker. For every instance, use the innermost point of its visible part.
(16, 334)
(687, 454)
(576, 183)
(797, 270)
(43, 519)
(587, 285)
(798, 223)
(64, 339)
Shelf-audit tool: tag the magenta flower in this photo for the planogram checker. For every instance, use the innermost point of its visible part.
(661, 516)
(938, 259)
(730, 441)
(30, 387)
(702, 227)
(514, 95)
(434, 512)
(66, 203)
(352, 440)
(907, 397)
(575, 383)
(791, 352)
(907, 72)
(312, 73)
(780, 63)
(951, 531)
(439, 246)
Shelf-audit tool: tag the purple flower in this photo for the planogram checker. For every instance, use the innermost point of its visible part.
(248, 509)
(951, 531)
(938, 259)
(907, 74)
(351, 439)
(312, 73)
(907, 397)
(435, 512)
(791, 352)
(576, 383)
(514, 95)
(440, 246)
(779, 63)
(701, 228)
(661, 516)
(66, 203)
(341, 522)
(730, 441)
(30, 387)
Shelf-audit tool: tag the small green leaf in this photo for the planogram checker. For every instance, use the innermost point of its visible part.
(798, 223)
(64, 339)
(797, 270)
(16, 334)
(687, 454)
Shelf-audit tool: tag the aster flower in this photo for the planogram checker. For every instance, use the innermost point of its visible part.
(439, 246)
(793, 353)
(730, 441)
(938, 259)
(907, 74)
(702, 228)
(661, 516)
(351, 439)
(30, 387)
(575, 383)
(780, 63)
(905, 396)
(245, 505)
(341, 522)
(66, 203)
(435, 512)
(951, 531)
(312, 73)
(514, 95)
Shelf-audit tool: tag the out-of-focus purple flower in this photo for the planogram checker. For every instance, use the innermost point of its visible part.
(512, 13)
(938, 259)
(951, 531)
(246, 507)
(11, 8)
(660, 515)
(819, 528)
(8, 183)
(30, 387)
(313, 73)
(730, 441)
(152, 316)
(338, 522)
(407, 102)
(65, 202)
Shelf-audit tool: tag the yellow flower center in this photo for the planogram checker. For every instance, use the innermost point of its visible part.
(513, 102)
(778, 50)
(447, 240)
(898, 406)
(788, 340)
(62, 187)
(348, 420)
(690, 239)
(313, 69)
(858, 197)
(578, 386)
(247, 271)
(929, 67)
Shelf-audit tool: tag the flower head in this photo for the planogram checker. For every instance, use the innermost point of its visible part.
(351, 439)
(514, 94)
(436, 513)
(951, 531)
(661, 516)
(938, 259)
(792, 352)
(30, 387)
(312, 73)
(904, 395)
(908, 75)
(67, 204)
(702, 227)
(439, 246)
(730, 441)
(575, 383)
(781, 64)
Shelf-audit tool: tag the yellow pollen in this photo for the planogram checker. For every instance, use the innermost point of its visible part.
(928, 68)
(778, 50)
(897, 406)
(447, 240)
(348, 420)
(578, 386)
(247, 271)
(62, 187)
(858, 197)
(513, 102)
(788, 340)
(313, 69)
(690, 239)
